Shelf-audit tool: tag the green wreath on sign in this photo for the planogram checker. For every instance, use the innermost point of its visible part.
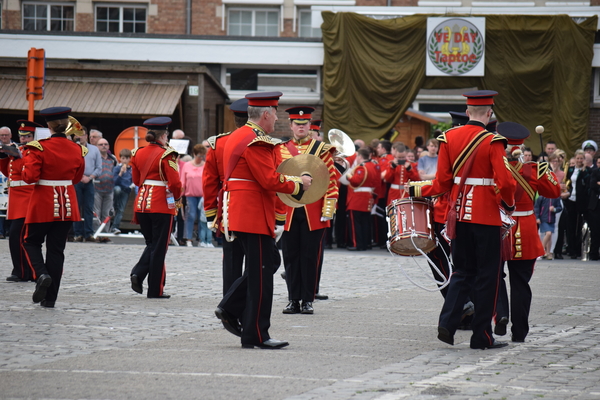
(460, 67)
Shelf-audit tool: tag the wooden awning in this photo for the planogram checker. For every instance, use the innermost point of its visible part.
(96, 96)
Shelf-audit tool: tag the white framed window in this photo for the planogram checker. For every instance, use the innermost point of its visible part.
(304, 25)
(596, 98)
(121, 18)
(48, 17)
(253, 22)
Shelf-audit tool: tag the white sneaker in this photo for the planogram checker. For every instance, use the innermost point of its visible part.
(202, 244)
(209, 245)
(189, 243)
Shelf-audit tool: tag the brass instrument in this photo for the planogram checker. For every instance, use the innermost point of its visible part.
(343, 145)
(74, 127)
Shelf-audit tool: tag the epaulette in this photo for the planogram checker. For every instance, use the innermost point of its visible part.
(36, 144)
(276, 140)
(84, 151)
(542, 168)
(499, 137)
(212, 141)
(442, 137)
(168, 151)
(135, 150)
(262, 139)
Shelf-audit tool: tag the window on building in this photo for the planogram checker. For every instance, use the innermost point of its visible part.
(121, 19)
(253, 22)
(0, 15)
(305, 28)
(48, 17)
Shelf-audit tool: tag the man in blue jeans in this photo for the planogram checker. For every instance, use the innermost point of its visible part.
(83, 230)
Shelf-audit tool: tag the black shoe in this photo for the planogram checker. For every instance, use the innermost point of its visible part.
(573, 257)
(293, 307)
(319, 296)
(43, 282)
(13, 278)
(500, 328)
(162, 296)
(495, 345)
(136, 285)
(352, 248)
(328, 247)
(307, 308)
(47, 304)
(267, 344)
(558, 256)
(518, 340)
(445, 336)
(231, 324)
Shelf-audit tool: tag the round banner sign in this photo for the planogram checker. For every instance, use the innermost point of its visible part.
(455, 46)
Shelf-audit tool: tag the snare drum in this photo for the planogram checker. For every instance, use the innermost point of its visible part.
(410, 224)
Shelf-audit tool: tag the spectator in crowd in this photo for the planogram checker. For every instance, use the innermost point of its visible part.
(5, 140)
(594, 213)
(590, 147)
(557, 162)
(545, 214)
(95, 136)
(411, 156)
(548, 151)
(104, 185)
(417, 152)
(84, 230)
(577, 202)
(178, 134)
(191, 182)
(122, 180)
(527, 155)
(427, 164)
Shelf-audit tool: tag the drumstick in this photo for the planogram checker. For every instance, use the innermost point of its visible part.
(539, 130)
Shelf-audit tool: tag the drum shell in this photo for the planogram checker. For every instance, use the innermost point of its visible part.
(410, 220)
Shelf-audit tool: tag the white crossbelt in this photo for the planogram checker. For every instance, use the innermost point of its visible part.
(45, 182)
(152, 182)
(397, 187)
(522, 213)
(364, 189)
(240, 179)
(475, 181)
(19, 183)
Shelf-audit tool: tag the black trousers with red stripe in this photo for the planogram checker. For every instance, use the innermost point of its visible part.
(476, 253)
(156, 228)
(233, 262)
(55, 235)
(359, 229)
(250, 298)
(519, 275)
(302, 253)
(21, 266)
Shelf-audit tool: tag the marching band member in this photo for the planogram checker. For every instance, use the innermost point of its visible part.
(399, 172)
(380, 228)
(155, 171)
(212, 182)
(249, 203)
(472, 166)
(303, 238)
(363, 179)
(526, 246)
(19, 193)
(54, 164)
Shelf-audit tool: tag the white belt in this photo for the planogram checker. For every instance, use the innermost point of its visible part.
(239, 179)
(397, 187)
(153, 182)
(475, 181)
(522, 213)
(45, 182)
(364, 189)
(19, 183)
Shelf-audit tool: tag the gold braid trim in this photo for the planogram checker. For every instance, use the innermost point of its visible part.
(36, 144)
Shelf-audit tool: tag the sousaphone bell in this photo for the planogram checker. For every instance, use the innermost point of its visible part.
(342, 142)
(303, 164)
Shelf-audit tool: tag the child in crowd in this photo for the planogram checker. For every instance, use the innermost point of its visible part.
(545, 213)
(123, 185)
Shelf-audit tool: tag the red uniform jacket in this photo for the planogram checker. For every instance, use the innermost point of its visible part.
(382, 190)
(253, 182)
(155, 163)
(53, 159)
(213, 175)
(325, 207)
(531, 178)
(19, 191)
(478, 202)
(361, 191)
(398, 177)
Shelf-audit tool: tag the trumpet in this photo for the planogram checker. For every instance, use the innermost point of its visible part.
(74, 127)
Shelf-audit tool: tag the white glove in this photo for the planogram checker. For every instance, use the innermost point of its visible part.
(210, 225)
(278, 232)
(325, 219)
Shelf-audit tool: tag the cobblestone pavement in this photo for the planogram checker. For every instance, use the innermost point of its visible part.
(374, 339)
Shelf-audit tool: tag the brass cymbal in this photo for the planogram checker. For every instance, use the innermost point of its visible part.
(305, 164)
